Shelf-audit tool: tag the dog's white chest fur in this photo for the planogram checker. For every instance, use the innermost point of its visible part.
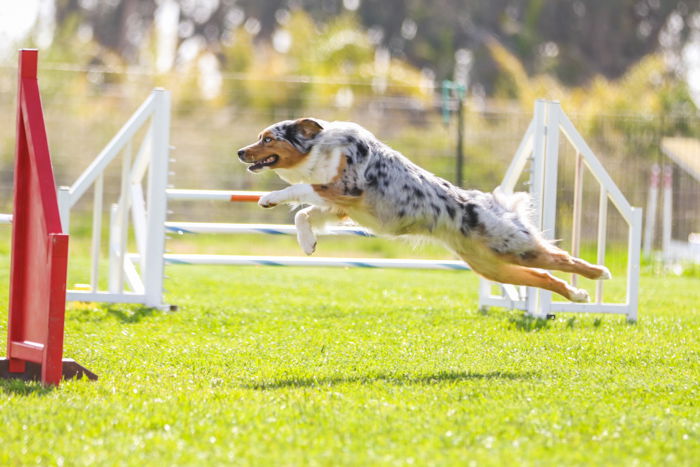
(319, 167)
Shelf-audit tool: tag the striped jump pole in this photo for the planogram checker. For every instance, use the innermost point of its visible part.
(318, 262)
(214, 195)
(276, 229)
(270, 229)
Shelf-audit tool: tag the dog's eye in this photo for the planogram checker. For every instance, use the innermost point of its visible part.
(267, 139)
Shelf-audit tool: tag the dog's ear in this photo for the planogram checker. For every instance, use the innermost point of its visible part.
(308, 127)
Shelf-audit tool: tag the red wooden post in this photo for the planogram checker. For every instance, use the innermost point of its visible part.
(39, 248)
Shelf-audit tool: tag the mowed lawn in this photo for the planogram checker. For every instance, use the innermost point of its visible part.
(284, 366)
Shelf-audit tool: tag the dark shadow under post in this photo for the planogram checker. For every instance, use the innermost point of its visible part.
(32, 372)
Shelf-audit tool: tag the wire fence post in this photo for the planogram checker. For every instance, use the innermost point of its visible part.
(460, 140)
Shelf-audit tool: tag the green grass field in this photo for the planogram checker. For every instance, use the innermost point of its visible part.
(284, 366)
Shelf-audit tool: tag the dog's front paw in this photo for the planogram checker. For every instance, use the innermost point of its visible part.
(269, 200)
(605, 275)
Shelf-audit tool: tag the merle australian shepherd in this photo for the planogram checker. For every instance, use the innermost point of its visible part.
(339, 169)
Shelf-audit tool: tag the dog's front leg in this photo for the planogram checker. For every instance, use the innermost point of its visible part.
(305, 234)
(306, 221)
(302, 193)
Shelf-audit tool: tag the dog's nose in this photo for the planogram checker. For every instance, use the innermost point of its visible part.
(241, 153)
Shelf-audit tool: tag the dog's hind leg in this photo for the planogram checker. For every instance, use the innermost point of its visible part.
(306, 221)
(520, 275)
(551, 257)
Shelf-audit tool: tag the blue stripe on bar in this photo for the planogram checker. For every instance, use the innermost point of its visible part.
(176, 261)
(271, 231)
(178, 230)
(268, 263)
(361, 265)
(362, 233)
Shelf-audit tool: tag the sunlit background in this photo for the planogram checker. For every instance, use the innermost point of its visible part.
(626, 71)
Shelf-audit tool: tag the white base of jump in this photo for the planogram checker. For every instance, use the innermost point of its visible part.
(104, 297)
(319, 262)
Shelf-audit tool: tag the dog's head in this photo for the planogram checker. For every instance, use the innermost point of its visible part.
(282, 145)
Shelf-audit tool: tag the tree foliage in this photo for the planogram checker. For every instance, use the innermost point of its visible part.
(574, 40)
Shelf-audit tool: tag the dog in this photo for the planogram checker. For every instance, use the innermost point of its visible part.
(340, 169)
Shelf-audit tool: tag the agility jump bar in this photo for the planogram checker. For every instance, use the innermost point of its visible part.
(270, 229)
(317, 262)
(214, 195)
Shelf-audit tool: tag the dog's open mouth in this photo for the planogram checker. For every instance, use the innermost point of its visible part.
(262, 163)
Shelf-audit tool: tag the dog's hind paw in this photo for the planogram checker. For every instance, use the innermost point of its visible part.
(605, 275)
(579, 296)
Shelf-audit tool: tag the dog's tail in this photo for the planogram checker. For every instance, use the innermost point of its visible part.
(519, 203)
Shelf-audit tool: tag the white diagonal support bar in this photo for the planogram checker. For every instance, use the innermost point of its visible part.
(143, 158)
(596, 168)
(132, 276)
(515, 169)
(124, 135)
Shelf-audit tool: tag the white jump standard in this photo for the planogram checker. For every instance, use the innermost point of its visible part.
(540, 147)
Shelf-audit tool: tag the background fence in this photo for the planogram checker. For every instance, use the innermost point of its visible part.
(84, 108)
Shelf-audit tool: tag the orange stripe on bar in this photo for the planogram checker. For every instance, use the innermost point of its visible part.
(252, 198)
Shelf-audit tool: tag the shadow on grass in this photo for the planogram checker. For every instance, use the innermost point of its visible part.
(521, 321)
(527, 323)
(129, 315)
(25, 388)
(399, 380)
(95, 312)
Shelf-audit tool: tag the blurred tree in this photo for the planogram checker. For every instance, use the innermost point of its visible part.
(573, 39)
(118, 25)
